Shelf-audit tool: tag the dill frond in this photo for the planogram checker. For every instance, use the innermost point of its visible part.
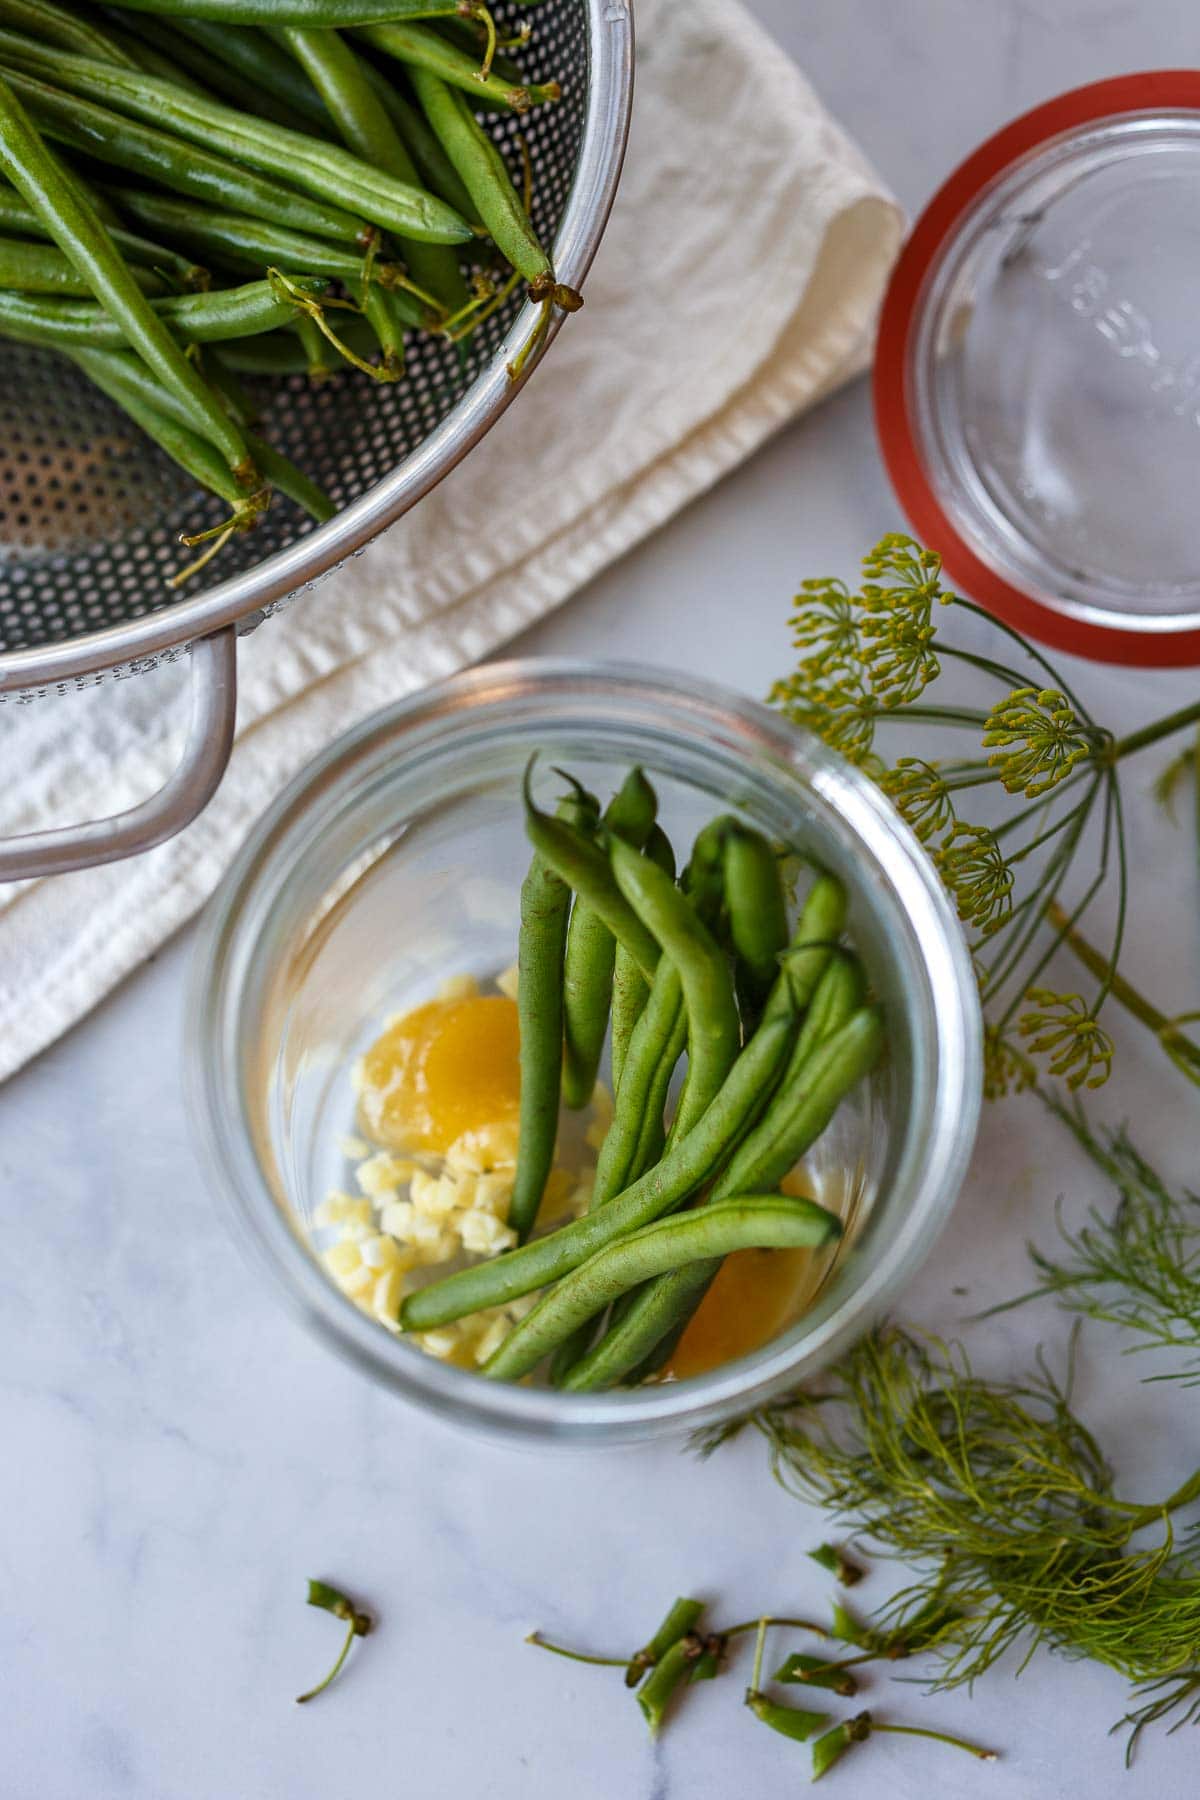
(1137, 1267)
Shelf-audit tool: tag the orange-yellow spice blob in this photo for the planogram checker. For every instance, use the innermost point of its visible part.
(753, 1298)
(756, 1295)
(448, 1067)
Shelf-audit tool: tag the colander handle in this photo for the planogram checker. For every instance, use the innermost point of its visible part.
(185, 793)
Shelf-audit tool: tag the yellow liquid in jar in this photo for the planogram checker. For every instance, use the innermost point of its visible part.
(448, 1067)
(757, 1294)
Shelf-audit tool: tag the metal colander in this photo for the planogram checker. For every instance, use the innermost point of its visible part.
(91, 511)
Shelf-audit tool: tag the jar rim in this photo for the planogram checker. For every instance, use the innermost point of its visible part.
(224, 973)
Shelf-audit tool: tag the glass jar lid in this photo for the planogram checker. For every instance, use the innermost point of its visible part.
(1037, 382)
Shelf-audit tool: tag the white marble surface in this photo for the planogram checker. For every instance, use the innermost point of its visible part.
(178, 1458)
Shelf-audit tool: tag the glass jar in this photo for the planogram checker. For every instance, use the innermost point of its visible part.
(395, 859)
(1037, 381)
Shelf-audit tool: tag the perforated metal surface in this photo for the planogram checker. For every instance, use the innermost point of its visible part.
(90, 510)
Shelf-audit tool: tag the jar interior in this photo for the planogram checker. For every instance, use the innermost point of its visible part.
(418, 879)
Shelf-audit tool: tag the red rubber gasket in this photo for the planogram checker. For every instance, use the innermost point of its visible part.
(1151, 90)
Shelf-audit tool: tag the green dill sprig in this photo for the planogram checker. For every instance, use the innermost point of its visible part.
(1001, 1500)
(1138, 1267)
(870, 658)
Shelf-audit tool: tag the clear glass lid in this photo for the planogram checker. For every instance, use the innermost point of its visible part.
(1038, 378)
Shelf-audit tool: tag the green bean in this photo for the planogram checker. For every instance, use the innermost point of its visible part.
(587, 870)
(714, 1029)
(365, 126)
(636, 1138)
(44, 269)
(821, 920)
(630, 988)
(434, 167)
(320, 362)
(652, 1137)
(128, 382)
(683, 1170)
(230, 237)
(131, 385)
(211, 72)
(283, 353)
(665, 1314)
(112, 138)
(703, 882)
(704, 878)
(192, 318)
(51, 24)
(758, 921)
(769, 1152)
(237, 400)
(683, 1617)
(88, 193)
(545, 901)
(664, 1306)
(144, 56)
(662, 1021)
(323, 14)
(257, 58)
(591, 949)
(282, 473)
(751, 1221)
(424, 52)
(485, 175)
(275, 353)
(15, 216)
(126, 379)
(665, 1679)
(631, 1144)
(389, 332)
(76, 228)
(318, 168)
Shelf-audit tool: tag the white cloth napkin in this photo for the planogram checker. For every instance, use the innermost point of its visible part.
(738, 282)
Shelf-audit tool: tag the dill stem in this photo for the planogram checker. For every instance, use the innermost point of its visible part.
(351, 1633)
(774, 1619)
(759, 1644)
(1043, 837)
(1053, 876)
(939, 1737)
(1029, 650)
(1183, 1496)
(1066, 850)
(1159, 728)
(1122, 893)
(1123, 991)
(849, 1662)
(985, 663)
(606, 1662)
(936, 715)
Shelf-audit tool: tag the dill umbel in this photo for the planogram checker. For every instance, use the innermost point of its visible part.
(1022, 885)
